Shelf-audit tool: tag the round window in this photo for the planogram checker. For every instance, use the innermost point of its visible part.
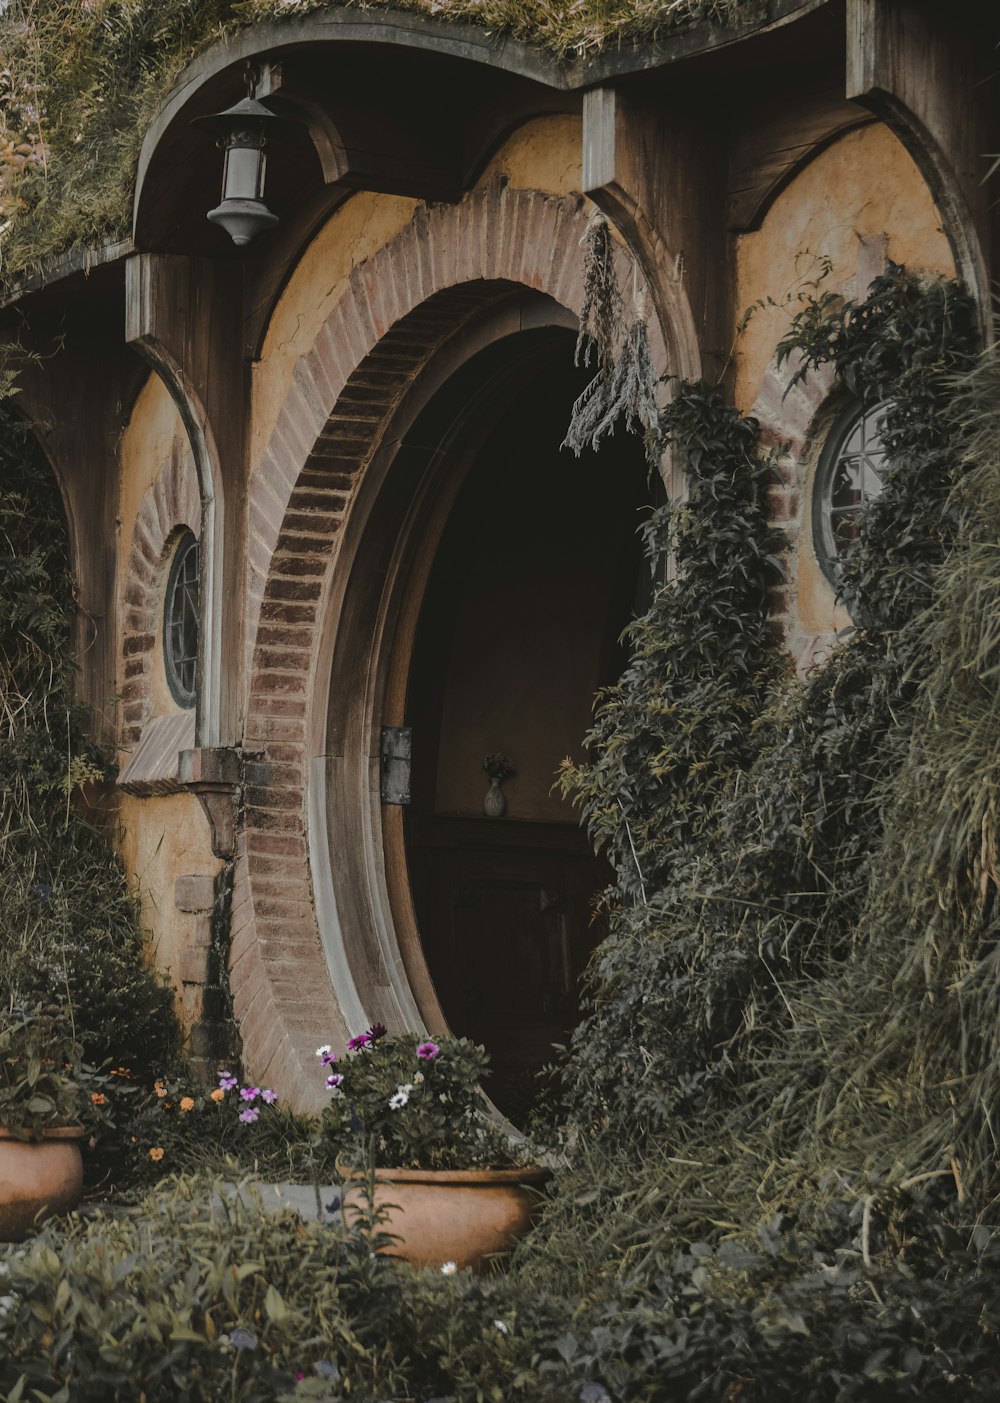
(851, 473)
(181, 622)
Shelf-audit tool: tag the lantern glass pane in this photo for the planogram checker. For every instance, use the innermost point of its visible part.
(244, 174)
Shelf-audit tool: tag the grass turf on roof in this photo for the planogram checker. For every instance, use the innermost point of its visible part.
(80, 81)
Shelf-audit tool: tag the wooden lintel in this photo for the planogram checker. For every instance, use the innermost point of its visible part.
(920, 68)
(769, 149)
(658, 172)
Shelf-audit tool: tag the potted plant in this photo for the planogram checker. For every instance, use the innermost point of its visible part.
(41, 1098)
(420, 1150)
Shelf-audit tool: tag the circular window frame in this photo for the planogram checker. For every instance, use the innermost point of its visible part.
(846, 422)
(185, 697)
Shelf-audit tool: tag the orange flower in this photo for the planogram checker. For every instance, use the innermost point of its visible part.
(186, 1103)
(160, 1089)
(156, 1153)
(98, 1098)
(218, 1094)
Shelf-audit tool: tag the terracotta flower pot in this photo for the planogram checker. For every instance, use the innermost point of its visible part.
(450, 1215)
(38, 1178)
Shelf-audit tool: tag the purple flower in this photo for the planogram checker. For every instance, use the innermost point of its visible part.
(428, 1051)
(328, 1059)
(250, 1093)
(269, 1096)
(376, 1031)
(334, 1080)
(362, 1040)
(227, 1081)
(248, 1114)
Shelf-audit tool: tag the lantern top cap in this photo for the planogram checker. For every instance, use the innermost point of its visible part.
(248, 109)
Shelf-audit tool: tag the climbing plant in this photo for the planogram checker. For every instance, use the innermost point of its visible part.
(740, 807)
(69, 928)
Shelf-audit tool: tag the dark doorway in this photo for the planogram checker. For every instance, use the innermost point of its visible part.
(532, 583)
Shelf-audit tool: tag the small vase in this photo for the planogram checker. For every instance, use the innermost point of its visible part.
(494, 804)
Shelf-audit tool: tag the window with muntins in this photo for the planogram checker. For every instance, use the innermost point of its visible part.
(181, 620)
(851, 474)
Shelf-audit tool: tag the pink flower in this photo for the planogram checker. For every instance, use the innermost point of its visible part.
(328, 1059)
(250, 1093)
(334, 1080)
(226, 1081)
(269, 1096)
(248, 1114)
(362, 1040)
(428, 1051)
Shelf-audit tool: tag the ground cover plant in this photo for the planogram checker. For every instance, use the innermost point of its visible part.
(80, 81)
(779, 1111)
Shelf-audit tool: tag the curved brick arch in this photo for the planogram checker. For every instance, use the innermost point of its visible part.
(171, 504)
(401, 306)
(790, 418)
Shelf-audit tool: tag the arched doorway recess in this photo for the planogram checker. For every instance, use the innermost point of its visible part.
(319, 948)
(482, 608)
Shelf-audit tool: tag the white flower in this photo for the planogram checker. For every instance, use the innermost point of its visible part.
(399, 1099)
(418, 1078)
(502, 1326)
(322, 1051)
(449, 1268)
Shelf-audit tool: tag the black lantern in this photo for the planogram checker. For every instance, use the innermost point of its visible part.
(243, 133)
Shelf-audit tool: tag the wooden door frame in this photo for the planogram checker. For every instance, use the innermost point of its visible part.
(357, 846)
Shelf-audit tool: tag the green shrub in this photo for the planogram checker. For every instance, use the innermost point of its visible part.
(69, 929)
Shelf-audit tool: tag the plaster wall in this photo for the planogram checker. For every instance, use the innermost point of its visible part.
(545, 154)
(860, 202)
(160, 840)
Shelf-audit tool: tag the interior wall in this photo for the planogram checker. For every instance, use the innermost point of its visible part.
(534, 579)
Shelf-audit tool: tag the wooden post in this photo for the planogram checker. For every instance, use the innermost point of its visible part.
(926, 71)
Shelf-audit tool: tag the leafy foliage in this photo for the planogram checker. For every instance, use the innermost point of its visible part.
(670, 740)
(407, 1103)
(68, 924)
(753, 811)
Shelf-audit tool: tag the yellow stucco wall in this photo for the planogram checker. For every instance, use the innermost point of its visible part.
(863, 186)
(159, 841)
(544, 154)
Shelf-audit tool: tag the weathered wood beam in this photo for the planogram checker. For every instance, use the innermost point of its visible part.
(770, 148)
(926, 71)
(658, 173)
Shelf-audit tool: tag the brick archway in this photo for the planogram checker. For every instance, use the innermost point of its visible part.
(450, 266)
(170, 505)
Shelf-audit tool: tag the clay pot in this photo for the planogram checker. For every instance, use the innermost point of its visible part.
(463, 1216)
(38, 1178)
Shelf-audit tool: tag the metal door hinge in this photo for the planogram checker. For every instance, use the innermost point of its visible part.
(395, 751)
